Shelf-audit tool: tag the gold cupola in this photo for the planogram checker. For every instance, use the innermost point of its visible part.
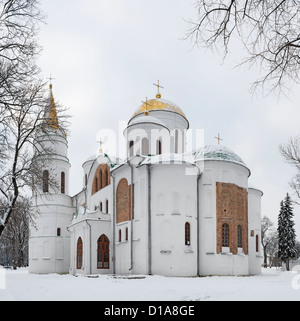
(50, 116)
(158, 104)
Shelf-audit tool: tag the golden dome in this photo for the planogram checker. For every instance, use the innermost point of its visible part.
(159, 104)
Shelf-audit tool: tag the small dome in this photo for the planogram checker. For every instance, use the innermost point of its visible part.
(159, 104)
(90, 159)
(211, 152)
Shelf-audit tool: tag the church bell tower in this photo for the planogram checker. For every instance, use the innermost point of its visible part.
(49, 243)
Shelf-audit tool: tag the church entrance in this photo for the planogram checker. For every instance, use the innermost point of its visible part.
(103, 252)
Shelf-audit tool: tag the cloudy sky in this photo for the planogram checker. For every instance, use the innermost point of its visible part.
(105, 56)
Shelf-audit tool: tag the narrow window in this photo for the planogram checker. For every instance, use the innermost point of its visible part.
(85, 179)
(96, 185)
(120, 235)
(62, 182)
(176, 141)
(131, 144)
(106, 177)
(45, 181)
(58, 232)
(225, 235)
(79, 253)
(103, 252)
(100, 180)
(106, 207)
(257, 248)
(239, 236)
(145, 146)
(101, 206)
(126, 234)
(187, 233)
(158, 147)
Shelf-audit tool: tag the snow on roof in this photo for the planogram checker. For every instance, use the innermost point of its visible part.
(112, 161)
(217, 152)
(169, 158)
(147, 119)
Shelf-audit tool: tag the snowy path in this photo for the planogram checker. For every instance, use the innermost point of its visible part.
(271, 285)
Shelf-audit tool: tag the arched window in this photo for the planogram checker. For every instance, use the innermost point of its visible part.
(58, 231)
(106, 177)
(106, 207)
(120, 235)
(100, 180)
(176, 203)
(176, 141)
(131, 144)
(158, 147)
(62, 182)
(187, 233)
(95, 187)
(79, 253)
(103, 252)
(225, 235)
(160, 204)
(45, 181)
(145, 146)
(239, 236)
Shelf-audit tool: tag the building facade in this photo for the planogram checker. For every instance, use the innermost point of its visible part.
(162, 210)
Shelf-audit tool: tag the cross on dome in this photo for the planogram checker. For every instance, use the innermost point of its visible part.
(101, 142)
(219, 138)
(50, 85)
(146, 104)
(158, 95)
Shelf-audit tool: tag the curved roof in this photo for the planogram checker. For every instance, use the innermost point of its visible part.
(147, 119)
(112, 161)
(218, 152)
(159, 104)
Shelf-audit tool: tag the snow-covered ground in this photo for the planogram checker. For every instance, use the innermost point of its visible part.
(271, 285)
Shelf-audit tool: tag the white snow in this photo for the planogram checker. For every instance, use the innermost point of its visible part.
(272, 285)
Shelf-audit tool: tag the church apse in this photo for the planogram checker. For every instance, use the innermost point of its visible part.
(232, 218)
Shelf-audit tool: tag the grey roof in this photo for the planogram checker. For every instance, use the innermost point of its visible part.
(217, 152)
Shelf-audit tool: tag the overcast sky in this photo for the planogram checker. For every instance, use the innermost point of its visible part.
(106, 54)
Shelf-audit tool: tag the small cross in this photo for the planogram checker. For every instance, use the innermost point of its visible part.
(158, 86)
(219, 138)
(101, 144)
(50, 85)
(158, 95)
(146, 103)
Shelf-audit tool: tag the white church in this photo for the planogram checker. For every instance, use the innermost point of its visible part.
(161, 211)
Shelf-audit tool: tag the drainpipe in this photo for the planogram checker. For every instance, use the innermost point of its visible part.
(90, 245)
(198, 225)
(131, 216)
(113, 223)
(149, 222)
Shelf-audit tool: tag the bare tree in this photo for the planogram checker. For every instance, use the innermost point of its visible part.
(291, 153)
(268, 31)
(22, 103)
(14, 240)
(268, 238)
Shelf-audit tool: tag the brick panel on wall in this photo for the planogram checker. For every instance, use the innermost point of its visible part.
(232, 209)
(123, 201)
